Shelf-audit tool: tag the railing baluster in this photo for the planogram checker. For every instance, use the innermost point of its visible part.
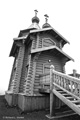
(71, 86)
(67, 85)
(62, 83)
(76, 89)
(79, 90)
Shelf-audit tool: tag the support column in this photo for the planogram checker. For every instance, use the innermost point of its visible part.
(18, 69)
(11, 76)
(52, 96)
(33, 77)
(27, 86)
(35, 59)
(11, 96)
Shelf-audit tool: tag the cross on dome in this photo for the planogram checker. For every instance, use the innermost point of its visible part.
(36, 12)
(46, 25)
(46, 18)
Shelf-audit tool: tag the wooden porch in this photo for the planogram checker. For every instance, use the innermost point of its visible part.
(65, 87)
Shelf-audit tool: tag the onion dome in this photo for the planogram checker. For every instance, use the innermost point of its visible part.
(35, 19)
(46, 25)
(35, 22)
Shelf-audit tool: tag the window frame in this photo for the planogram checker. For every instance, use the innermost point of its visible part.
(47, 63)
(47, 38)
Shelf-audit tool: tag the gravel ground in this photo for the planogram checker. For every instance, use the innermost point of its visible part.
(12, 113)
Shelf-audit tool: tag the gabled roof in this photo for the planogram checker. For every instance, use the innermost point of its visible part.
(54, 49)
(54, 31)
(50, 29)
(14, 46)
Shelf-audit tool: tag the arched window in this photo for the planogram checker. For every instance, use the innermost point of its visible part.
(46, 42)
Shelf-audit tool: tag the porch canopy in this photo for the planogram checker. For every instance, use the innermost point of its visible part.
(55, 50)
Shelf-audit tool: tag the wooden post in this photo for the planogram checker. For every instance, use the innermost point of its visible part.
(33, 77)
(52, 96)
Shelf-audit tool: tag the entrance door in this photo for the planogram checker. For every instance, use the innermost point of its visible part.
(46, 68)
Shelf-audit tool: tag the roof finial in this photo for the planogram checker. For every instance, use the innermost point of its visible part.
(36, 12)
(46, 18)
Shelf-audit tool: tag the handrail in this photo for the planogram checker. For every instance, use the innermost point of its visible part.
(67, 76)
(67, 82)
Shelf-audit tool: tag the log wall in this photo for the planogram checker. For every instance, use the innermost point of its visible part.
(14, 86)
(38, 41)
(43, 59)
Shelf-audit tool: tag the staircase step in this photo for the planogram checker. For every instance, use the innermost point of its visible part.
(65, 94)
(70, 97)
(61, 91)
(70, 101)
(75, 101)
(78, 106)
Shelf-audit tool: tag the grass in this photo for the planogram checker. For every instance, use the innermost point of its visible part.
(13, 113)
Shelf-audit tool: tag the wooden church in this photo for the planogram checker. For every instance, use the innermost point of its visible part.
(34, 50)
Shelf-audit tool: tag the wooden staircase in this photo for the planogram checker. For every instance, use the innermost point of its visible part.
(69, 100)
(65, 87)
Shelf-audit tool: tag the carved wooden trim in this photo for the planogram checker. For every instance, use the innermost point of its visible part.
(48, 39)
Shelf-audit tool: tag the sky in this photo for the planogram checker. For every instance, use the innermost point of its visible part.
(16, 15)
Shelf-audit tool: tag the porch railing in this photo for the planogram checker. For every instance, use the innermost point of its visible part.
(45, 81)
(60, 80)
(66, 82)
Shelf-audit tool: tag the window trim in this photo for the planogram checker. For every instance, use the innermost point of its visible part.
(47, 63)
(48, 39)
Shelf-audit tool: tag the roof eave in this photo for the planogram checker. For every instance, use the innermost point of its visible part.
(50, 28)
(20, 38)
(12, 50)
(52, 47)
(61, 36)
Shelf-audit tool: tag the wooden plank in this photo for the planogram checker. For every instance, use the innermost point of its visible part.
(78, 106)
(60, 116)
(65, 94)
(52, 96)
(33, 77)
(62, 92)
(75, 101)
(70, 98)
